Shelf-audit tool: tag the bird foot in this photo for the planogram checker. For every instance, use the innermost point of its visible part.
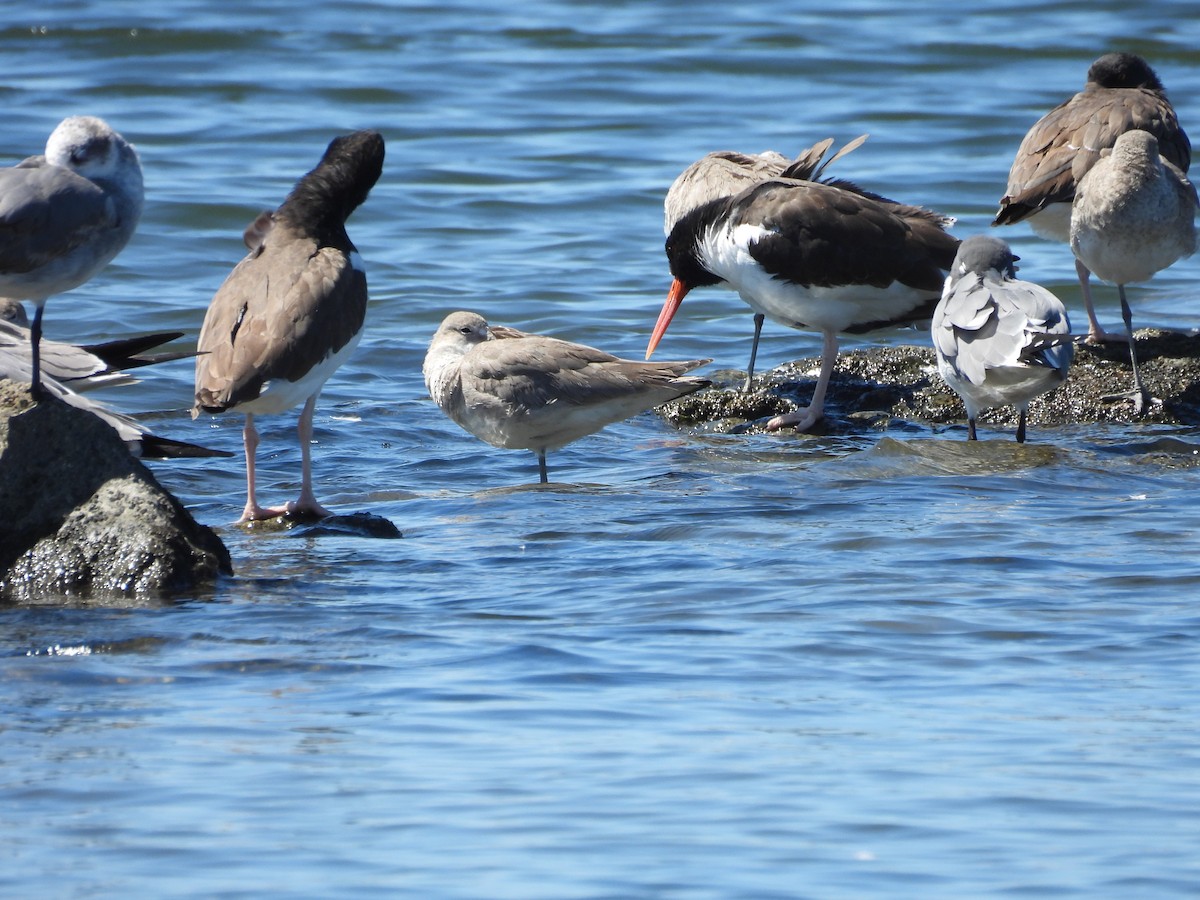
(255, 513)
(306, 509)
(1142, 401)
(803, 419)
(1100, 337)
(296, 510)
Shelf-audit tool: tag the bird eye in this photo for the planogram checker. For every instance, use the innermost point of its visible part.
(466, 329)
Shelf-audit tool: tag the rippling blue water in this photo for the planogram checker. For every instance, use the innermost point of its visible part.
(696, 666)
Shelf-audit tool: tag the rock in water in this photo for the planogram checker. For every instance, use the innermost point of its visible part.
(83, 521)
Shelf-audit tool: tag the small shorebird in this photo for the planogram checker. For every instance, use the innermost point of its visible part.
(724, 173)
(824, 257)
(1133, 215)
(528, 392)
(292, 311)
(1122, 93)
(65, 215)
(1000, 341)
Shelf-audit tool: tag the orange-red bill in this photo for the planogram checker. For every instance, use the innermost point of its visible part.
(670, 307)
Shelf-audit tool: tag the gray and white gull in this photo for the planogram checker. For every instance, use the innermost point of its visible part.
(999, 341)
(65, 215)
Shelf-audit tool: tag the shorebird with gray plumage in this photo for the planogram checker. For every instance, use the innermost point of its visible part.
(524, 391)
(65, 215)
(1133, 216)
(999, 341)
(724, 173)
(292, 311)
(1122, 93)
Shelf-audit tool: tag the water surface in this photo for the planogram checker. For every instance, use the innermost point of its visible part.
(696, 665)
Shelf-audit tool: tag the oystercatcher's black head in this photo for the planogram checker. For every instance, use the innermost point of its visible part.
(683, 245)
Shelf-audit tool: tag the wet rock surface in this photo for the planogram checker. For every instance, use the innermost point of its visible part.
(873, 386)
(85, 522)
(354, 524)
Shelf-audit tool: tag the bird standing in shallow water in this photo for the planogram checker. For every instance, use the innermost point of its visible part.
(1122, 94)
(999, 341)
(827, 257)
(292, 311)
(1134, 215)
(724, 173)
(529, 392)
(65, 215)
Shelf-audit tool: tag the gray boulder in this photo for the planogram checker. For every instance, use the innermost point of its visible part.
(81, 520)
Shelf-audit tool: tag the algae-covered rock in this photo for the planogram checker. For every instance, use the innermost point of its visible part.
(82, 520)
(876, 384)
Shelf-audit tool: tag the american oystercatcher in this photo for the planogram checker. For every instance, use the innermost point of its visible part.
(818, 256)
(724, 173)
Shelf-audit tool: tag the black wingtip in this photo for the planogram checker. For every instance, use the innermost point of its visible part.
(152, 446)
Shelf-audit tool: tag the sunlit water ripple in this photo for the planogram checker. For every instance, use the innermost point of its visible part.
(697, 665)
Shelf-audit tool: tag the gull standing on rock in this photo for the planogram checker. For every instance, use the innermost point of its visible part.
(823, 257)
(724, 173)
(527, 392)
(292, 311)
(65, 215)
(1122, 94)
(1134, 215)
(1000, 341)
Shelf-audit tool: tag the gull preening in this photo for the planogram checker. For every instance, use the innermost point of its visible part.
(292, 311)
(827, 257)
(1122, 93)
(1133, 216)
(528, 392)
(724, 173)
(999, 341)
(65, 215)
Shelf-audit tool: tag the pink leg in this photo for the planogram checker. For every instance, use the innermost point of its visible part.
(253, 512)
(1096, 334)
(807, 417)
(306, 503)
